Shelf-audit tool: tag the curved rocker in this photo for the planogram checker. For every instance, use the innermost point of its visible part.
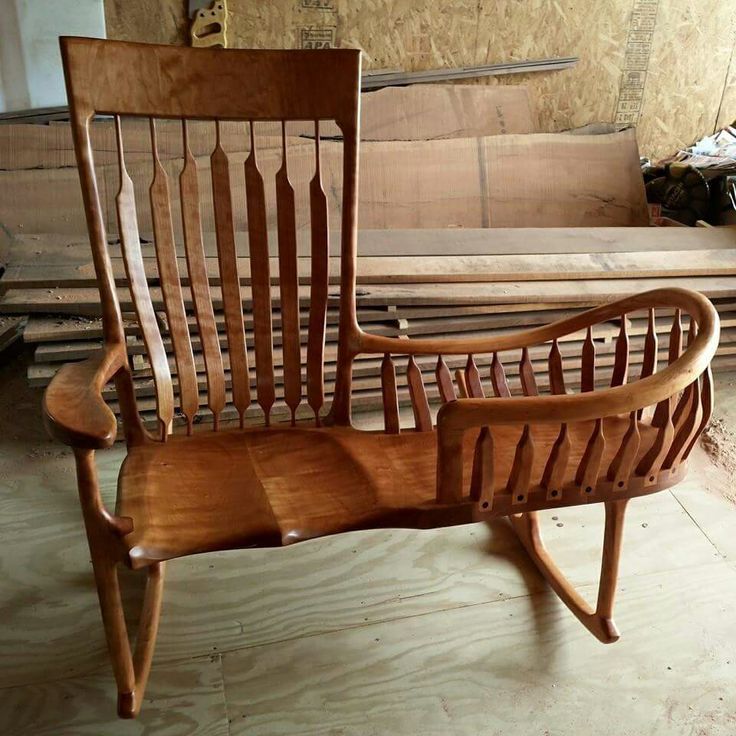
(537, 442)
(599, 621)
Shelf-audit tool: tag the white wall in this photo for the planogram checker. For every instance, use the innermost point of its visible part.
(30, 63)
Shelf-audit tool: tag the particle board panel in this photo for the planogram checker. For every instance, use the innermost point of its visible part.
(687, 69)
(691, 52)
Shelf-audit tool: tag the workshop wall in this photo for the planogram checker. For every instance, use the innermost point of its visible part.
(669, 66)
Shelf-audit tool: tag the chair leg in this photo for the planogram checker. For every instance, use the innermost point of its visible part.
(130, 669)
(599, 621)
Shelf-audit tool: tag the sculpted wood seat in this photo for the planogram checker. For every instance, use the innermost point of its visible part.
(489, 453)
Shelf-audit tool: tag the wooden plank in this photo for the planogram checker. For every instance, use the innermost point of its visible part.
(54, 249)
(429, 269)
(86, 301)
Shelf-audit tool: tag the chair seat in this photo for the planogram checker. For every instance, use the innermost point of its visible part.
(277, 486)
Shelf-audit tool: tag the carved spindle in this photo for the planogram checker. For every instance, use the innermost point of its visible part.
(554, 471)
(622, 465)
(168, 269)
(318, 285)
(651, 346)
(130, 243)
(675, 348)
(255, 198)
(706, 405)
(462, 386)
(444, 381)
(556, 374)
(390, 395)
(472, 379)
(418, 394)
(199, 282)
(526, 374)
(663, 412)
(587, 369)
(481, 482)
(521, 470)
(621, 360)
(684, 404)
(288, 284)
(651, 463)
(498, 378)
(587, 473)
(686, 425)
(229, 279)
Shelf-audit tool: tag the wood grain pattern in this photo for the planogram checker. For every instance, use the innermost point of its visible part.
(131, 247)
(288, 281)
(319, 278)
(261, 279)
(390, 396)
(171, 286)
(229, 279)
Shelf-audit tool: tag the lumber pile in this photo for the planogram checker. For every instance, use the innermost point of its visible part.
(407, 286)
(473, 225)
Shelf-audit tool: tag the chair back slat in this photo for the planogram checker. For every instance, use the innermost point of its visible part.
(621, 358)
(318, 284)
(390, 395)
(288, 283)
(554, 470)
(706, 404)
(498, 378)
(556, 374)
(622, 465)
(260, 280)
(444, 381)
(521, 468)
(418, 395)
(651, 463)
(587, 366)
(526, 374)
(586, 476)
(136, 274)
(198, 281)
(472, 379)
(229, 278)
(168, 269)
(651, 346)
(481, 480)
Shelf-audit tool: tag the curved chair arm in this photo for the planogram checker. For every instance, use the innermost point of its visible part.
(691, 302)
(73, 409)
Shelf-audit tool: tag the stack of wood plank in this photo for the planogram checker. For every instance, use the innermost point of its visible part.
(473, 225)
(409, 286)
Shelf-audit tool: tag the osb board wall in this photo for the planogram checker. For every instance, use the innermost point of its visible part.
(688, 85)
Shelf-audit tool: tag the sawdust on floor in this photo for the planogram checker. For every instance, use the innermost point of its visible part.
(719, 442)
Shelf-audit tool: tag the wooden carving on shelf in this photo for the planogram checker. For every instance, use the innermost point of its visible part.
(492, 451)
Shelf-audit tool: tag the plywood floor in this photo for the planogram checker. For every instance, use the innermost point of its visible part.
(391, 632)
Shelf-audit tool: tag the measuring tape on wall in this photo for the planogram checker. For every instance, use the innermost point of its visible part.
(636, 61)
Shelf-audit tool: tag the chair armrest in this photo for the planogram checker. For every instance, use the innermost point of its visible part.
(74, 411)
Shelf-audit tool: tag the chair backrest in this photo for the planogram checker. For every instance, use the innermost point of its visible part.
(165, 82)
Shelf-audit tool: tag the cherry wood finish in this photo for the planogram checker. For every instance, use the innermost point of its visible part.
(507, 455)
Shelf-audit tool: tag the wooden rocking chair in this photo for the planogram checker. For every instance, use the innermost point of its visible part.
(277, 484)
